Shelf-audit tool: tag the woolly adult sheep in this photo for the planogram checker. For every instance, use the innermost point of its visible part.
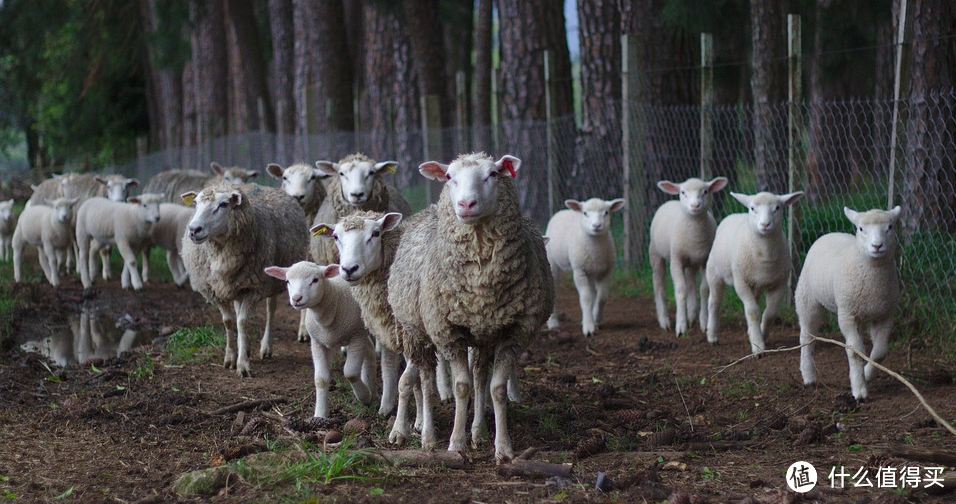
(358, 183)
(333, 319)
(47, 228)
(580, 242)
(367, 242)
(472, 271)
(235, 233)
(751, 253)
(682, 232)
(100, 221)
(7, 224)
(855, 277)
(173, 183)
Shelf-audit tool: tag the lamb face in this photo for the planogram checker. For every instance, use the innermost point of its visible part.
(359, 242)
(63, 209)
(149, 203)
(211, 218)
(117, 187)
(595, 214)
(298, 181)
(875, 236)
(765, 210)
(694, 193)
(472, 182)
(305, 281)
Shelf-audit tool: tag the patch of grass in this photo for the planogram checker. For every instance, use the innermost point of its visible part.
(191, 345)
(743, 388)
(145, 368)
(707, 473)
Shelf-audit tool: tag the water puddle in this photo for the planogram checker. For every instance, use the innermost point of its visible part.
(88, 337)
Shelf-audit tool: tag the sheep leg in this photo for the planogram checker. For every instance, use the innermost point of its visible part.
(514, 391)
(145, 268)
(359, 350)
(464, 386)
(48, 259)
(243, 325)
(419, 402)
(303, 332)
(17, 255)
(483, 358)
(41, 258)
(704, 299)
(129, 263)
(427, 381)
(690, 282)
(657, 265)
(680, 295)
(91, 260)
(408, 381)
(716, 296)
(442, 380)
(880, 334)
(124, 277)
(603, 289)
(265, 347)
(390, 362)
(505, 359)
(752, 314)
(553, 322)
(850, 330)
(175, 267)
(586, 299)
(228, 313)
(369, 368)
(104, 251)
(773, 299)
(810, 315)
(321, 377)
(83, 262)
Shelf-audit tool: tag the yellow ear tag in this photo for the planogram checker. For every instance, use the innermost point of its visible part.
(189, 199)
(390, 168)
(321, 230)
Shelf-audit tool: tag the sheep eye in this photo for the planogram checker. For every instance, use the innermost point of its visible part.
(861, 229)
(335, 237)
(493, 174)
(341, 173)
(223, 204)
(315, 281)
(376, 233)
(285, 179)
(889, 228)
(369, 175)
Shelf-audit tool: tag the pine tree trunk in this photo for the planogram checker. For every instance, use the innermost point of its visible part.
(304, 92)
(769, 89)
(424, 30)
(210, 67)
(250, 68)
(457, 19)
(280, 24)
(481, 106)
(333, 67)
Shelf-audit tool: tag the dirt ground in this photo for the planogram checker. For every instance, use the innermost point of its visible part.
(661, 417)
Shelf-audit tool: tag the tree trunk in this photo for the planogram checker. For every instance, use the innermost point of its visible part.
(280, 24)
(528, 27)
(597, 168)
(423, 24)
(768, 81)
(251, 65)
(481, 104)
(304, 92)
(333, 68)
(928, 176)
(163, 89)
(457, 19)
(210, 67)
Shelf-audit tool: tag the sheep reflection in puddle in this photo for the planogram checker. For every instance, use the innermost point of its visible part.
(89, 337)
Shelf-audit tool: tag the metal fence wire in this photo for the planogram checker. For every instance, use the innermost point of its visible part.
(842, 153)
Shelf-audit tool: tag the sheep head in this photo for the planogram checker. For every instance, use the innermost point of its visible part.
(765, 210)
(359, 240)
(305, 281)
(298, 181)
(472, 181)
(212, 212)
(356, 175)
(694, 193)
(875, 235)
(595, 214)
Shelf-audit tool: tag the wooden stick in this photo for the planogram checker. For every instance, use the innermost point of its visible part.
(534, 469)
(527, 454)
(249, 405)
(419, 458)
(757, 356)
(945, 457)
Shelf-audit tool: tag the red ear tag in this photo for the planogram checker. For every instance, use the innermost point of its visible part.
(511, 168)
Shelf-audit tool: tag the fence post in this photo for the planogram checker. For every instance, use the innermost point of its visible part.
(141, 158)
(496, 110)
(356, 118)
(632, 141)
(461, 104)
(431, 140)
(706, 105)
(794, 135)
(902, 56)
(550, 127)
(328, 131)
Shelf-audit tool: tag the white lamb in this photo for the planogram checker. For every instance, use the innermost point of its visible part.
(855, 277)
(168, 234)
(682, 232)
(236, 232)
(7, 224)
(48, 229)
(580, 241)
(751, 253)
(333, 319)
(125, 224)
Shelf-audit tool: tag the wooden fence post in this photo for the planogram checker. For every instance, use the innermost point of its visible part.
(496, 111)
(431, 140)
(550, 129)
(461, 112)
(794, 136)
(632, 142)
(902, 58)
(706, 105)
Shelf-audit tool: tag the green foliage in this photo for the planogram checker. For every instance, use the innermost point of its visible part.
(197, 344)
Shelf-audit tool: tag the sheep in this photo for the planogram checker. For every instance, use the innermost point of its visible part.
(357, 183)
(235, 233)
(7, 224)
(47, 190)
(168, 234)
(117, 186)
(173, 183)
(125, 224)
(682, 232)
(472, 271)
(367, 243)
(751, 253)
(580, 242)
(855, 277)
(233, 175)
(47, 228)
(333, 318)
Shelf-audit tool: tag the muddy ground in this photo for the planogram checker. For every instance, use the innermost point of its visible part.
(660, 416)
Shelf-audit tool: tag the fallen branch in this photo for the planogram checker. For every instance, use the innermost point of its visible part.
(419, 458)
(534, 469)
(527, 454)
(757, 356)
(717, 446)
(945, 457)
(248, 405)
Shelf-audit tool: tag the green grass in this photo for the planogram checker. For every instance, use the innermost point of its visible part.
(195, 344)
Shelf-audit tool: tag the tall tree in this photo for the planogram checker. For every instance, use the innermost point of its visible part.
(303, 90)
(929, 178)
(769, 85)
(481, 104)
(282, 30)
(423, 22)
(528, 28)
(457, 19)
(209, 68)
(166, 54)
(252, 105)
(333, 66)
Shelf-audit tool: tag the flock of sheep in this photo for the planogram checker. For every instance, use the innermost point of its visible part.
(464, 284)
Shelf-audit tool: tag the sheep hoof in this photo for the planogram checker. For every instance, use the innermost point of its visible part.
(265, 354)
(303, 338)
(503, 458)
(243, 371)
(397, 438)
(714, 343)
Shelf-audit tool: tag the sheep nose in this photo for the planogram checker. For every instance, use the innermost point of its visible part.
(297, 298)
(468, 205)
(358, 195)
(695, 206)
(193, 231)
(877, 246)
(349, 270)
(299, 197)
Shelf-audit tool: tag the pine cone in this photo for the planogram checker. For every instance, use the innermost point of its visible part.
(590, 446)
(629, 417)
(254, 423)
(355, 426)
(662, 438)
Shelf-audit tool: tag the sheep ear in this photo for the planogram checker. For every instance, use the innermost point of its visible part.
(616, 204)
(510, 163)
(573, 204)
(331, 271)
(433, 170)
(327, 167)
(319, 174)
(717, 184)
(274, 170)
(276, 272)
(668, 187)
(189, 198)
(789, 199)
(34, 187)
(72, 201)
(99, 179)
(389, 166)
(322, 230)
(851, 214)
(743, 198)
(545, 239)
(235, 198)
(133, 199)
(216, 168)
(132, 182)
(894, 213)
(390, 221)
(251, 174)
